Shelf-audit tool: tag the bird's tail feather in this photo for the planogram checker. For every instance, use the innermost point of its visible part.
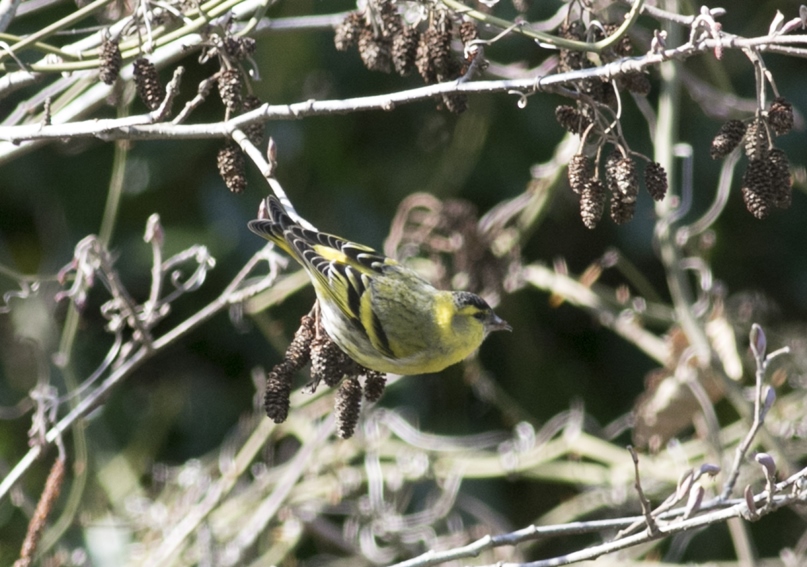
(273, 223)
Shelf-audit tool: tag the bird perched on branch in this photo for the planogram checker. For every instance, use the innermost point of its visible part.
(383, 315)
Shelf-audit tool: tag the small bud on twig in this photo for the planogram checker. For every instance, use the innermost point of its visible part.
(768, 398)
(263, 213)
(767, 462)
(748, 494)
(694, 501)
(154, 230)
(708, 469)
(758, 341)
(684, 484)
(271, 156)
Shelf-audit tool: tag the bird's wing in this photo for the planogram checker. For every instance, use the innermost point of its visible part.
(341, 269)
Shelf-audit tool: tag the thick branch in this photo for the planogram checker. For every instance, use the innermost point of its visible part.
(138, 128)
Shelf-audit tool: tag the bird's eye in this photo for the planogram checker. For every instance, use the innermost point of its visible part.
(479, 315)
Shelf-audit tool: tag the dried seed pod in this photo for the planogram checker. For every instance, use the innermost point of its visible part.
(727, 138)
(757, 191)
(780, 116)
(468, 32)
(328, 363)
(232, 167)
(374, 384)
(229, 84)
(572, 119)
(346, 34)
(655, 180)
(278, 389)
(440, 50)
(239, 48)
(348, 406)
(376, 52)
(298, 351)
(255, 132)
(756, 139)
(456, 103)
(624, 189)
(625, 174)
(622, 211)
(781, 184)
(572, 60)
(391, 22)
(592, 202)
(110, 61)
(423, 58)
(147, 82)
(622, 48)
(580, 169)
(599, 90)
(610, 171)
(637, 83)
(404, 50)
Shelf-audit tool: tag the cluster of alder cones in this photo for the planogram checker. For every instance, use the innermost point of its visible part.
(766, 182)
(386, 43)
(329, 365)
(766, 186)
(591, 118)
(621, 183)
(581, 119)
(229, 80)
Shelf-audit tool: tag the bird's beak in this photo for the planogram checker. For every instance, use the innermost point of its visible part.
(496, 323)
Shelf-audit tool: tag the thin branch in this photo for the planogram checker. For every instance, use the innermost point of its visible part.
(138, 127)
(647, 511)
(762, 403)
(88, 404)
(549, 39)
(267, 510)
(720, 512)
(685, 233)
(76, 16)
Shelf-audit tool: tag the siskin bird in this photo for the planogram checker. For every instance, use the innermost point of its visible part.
(383, 315)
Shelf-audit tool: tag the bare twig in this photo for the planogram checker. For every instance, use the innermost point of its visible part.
(43, 508)
(761, 403)
(652, 526)
(138, 128)
(123, 371)
(724, 511)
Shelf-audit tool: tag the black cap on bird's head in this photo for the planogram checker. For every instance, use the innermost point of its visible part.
(471, 304)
